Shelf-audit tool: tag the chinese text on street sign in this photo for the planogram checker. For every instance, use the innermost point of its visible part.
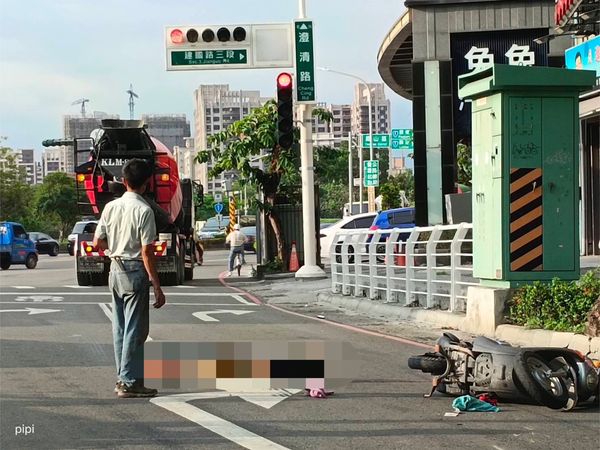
(402, 139)
(305, 64)
(379, 141)
(371, 175)
(208, 57)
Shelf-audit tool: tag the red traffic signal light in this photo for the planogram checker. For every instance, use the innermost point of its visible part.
(284, 80)
(285, 111)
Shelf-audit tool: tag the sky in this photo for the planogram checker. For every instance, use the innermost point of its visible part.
(55, 52)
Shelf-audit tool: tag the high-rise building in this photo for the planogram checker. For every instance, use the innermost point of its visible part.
(170, 129)
(81, 127)
(26, 161)
(217, 107)
(380, 105)
(54, 159)
(331, 134)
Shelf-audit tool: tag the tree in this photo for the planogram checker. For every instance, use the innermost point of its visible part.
(242, 142)
(391, 190)
(464, 166)
(333, 197)
(57, 197)
(15, 193)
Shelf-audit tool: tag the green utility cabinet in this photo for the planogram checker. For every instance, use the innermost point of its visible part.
(525, 151)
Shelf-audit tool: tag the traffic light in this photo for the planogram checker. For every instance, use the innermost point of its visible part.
(285, 111)
(203, 34)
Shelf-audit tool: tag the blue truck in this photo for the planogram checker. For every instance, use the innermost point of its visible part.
(16, 247)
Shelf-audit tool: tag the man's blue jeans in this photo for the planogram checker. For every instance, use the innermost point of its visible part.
(233, 252)
(131, 318)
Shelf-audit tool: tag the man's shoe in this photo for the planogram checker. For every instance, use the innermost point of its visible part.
(135, 391)
(118, 385)
(228, 274)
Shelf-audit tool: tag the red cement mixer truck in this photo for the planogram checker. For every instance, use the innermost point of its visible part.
(98, 177)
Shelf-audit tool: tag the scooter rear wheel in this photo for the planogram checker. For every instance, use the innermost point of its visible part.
(432, 363)
(532, 373)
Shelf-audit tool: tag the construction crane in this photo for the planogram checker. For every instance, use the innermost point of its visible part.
(131, 102)
(82, 102)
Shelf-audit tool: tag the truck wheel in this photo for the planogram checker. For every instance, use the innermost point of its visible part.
(531, 372)
(83, 279)
(31, 261)
(4, 265)
(168, 279)
(54, 251)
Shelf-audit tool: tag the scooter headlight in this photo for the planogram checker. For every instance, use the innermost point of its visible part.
(591, 380)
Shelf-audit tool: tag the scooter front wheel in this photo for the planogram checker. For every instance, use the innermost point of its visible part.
(536, 380)
(432, 363)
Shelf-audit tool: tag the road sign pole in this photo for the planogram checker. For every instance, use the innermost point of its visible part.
(371, 189)
(310, 268)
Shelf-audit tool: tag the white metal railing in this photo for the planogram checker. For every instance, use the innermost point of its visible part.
(423, 266)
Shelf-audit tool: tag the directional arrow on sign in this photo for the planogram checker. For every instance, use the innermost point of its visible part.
(204, 315)
(178, 404)
(33, 311)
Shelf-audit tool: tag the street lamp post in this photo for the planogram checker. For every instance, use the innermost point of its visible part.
(371, 189)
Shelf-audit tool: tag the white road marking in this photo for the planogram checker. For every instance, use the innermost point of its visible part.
(104, 307)
(242, 300)
(204, 315)
(32, 311)
(167, 304)
(175, 294)
(185, 286)
(22, 287)
(38, 298)
(178, 405)
(76, 286)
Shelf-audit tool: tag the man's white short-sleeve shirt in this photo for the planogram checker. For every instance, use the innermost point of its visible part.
(127, 224)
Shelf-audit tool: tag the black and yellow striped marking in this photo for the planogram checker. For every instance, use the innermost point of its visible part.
(526, 245)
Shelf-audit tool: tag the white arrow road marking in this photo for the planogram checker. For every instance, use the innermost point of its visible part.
(178, 404)
(75, 286)
(32, 311)
(204, 315)
(23, 287)
(38, 298)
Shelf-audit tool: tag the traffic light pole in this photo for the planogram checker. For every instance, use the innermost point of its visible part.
(310, 268)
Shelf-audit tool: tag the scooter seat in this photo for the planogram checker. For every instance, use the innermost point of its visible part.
(482, 344)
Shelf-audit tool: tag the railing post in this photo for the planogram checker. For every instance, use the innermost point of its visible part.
(372, 252)
(432, 264)
(455, 263)
(409, 296)
(390, 263)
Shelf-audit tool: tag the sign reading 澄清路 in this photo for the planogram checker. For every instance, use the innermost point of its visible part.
(305, 64)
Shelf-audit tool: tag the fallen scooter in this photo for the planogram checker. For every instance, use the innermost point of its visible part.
(558, 378)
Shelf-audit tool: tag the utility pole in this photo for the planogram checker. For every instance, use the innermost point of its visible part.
(310, 268)
(350, 177)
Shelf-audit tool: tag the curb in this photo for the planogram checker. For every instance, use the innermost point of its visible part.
(441, 319)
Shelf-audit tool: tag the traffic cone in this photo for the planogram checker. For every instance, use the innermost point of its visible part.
(400, 257)
(294, 263)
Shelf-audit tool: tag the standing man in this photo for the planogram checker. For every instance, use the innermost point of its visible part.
(236, 241)
(127, 229)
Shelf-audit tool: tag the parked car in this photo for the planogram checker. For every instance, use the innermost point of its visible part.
(85, 226)
(16, 247)
(358, 221)
(394, 218)
(213, 228)
(44, 244)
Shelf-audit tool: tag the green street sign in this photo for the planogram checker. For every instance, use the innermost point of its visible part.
(209, 57)
(379, 141)
(305, 61)
(402, 139)
(371, 173)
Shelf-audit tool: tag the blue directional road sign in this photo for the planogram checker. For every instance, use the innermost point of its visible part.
(218, 208)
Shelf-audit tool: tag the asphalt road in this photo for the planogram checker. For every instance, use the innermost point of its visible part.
(57, 376)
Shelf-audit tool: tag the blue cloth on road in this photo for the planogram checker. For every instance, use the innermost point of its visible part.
(468, 403)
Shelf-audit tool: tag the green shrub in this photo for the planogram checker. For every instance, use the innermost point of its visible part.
(558, 305)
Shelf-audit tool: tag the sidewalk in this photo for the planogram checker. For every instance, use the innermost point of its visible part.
(315, 299)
